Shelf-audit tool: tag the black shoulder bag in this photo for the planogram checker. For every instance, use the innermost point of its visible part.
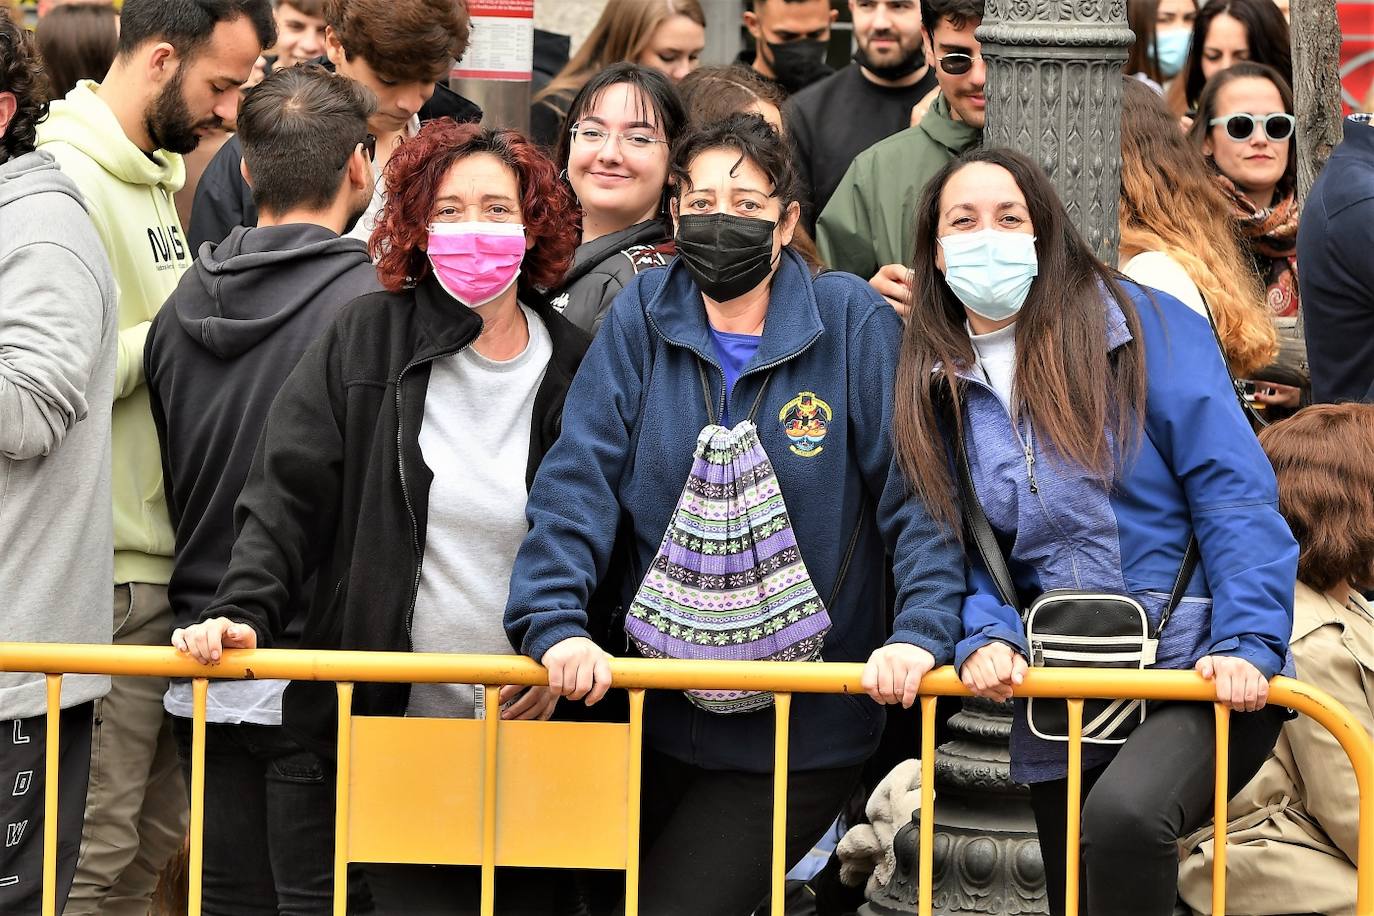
(1070, 628)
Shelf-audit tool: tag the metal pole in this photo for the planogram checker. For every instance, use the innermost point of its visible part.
(1054, 92)
(723, 23)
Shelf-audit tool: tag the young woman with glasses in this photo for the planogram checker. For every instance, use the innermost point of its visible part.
(1244, 127)
(614, 154)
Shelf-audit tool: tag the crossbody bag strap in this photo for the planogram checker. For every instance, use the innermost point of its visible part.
(1185, 575)
(975, 519)
(1246, 407)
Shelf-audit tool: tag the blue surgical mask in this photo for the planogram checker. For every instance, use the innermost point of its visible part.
(991, 270)
(1171, 50)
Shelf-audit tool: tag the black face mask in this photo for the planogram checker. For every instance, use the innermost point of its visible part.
(900, 70)
(798, 64)
(727, 255)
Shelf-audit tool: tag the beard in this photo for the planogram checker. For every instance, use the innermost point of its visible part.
(169, 121)
(911, 60)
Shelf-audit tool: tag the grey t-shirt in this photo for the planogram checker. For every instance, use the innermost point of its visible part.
(475, 438)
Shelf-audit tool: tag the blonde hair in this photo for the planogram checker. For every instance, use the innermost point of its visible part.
(621, 34)
(1170, 204)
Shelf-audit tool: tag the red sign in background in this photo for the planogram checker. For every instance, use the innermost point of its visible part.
(1357, 52)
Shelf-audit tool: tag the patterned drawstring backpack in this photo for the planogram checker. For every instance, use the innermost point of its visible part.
(728, 581)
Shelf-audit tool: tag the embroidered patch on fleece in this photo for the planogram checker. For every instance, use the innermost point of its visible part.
(806, 420)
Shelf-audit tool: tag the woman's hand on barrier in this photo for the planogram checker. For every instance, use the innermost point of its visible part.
(1240, 685)
(528, 702)
(893, 673)
(578, 668)
(206, 641)
(993, 671)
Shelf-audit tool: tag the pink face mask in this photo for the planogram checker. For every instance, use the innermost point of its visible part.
(476, 262)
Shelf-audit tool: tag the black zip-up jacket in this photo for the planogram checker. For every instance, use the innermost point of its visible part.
(339, 487)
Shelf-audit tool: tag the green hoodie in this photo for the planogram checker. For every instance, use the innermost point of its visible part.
(867, 223)
(129, 196)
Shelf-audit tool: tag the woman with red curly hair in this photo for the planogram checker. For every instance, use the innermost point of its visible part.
(393, 470)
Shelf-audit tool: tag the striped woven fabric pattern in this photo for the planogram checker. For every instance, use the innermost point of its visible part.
(728, 582)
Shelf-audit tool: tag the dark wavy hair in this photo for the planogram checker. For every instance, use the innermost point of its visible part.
(1270, 42)
(22, 73)
(755, 140)
(417, 170)
(1323, 457)
(1073, 389)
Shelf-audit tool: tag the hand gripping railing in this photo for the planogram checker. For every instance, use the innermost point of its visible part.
(638, 675)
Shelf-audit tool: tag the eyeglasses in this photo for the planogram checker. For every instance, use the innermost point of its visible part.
(370, 147)
(1241, 125)
(958, 63)
(637, 142)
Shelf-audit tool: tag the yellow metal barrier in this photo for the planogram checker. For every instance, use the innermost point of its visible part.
(506, 833)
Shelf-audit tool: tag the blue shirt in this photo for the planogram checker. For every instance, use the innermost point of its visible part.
(734, 352)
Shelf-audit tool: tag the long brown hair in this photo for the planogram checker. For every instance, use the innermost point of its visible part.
(1169, 203)
(622, 33)
(1068, 384)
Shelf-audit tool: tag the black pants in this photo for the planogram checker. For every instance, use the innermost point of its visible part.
(23, 782)
(1158, 788)
(269, 823)
(706, 837)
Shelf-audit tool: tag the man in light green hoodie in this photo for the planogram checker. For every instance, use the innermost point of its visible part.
(175, 78)
(866, 227)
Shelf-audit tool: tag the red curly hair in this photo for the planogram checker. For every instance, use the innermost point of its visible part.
(416, 171)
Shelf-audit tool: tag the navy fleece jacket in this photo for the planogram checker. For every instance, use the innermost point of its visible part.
(629, 428)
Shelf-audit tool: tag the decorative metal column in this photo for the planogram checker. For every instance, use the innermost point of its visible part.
(1054, 92)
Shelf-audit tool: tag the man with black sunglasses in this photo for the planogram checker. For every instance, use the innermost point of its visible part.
(866, 226)
(216, 355)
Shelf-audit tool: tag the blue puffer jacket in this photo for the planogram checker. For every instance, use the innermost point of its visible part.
(630, 426)
(1199, 468)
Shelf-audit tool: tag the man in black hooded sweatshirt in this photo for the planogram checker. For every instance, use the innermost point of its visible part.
(216, 356)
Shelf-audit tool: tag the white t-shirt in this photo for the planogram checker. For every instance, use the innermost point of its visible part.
(1159, 271)
(475, 438)
(996, 359)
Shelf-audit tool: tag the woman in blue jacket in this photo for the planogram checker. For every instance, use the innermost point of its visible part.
(738, 318)
(1102, 432)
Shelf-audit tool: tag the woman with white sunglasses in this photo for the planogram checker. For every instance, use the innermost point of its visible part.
(1244, 127)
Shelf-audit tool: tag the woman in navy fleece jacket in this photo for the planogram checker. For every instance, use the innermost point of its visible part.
(630, 425)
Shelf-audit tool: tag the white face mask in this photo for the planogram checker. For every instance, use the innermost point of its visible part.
(990, 270)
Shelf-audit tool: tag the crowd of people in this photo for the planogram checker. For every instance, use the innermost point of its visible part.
(764, 362)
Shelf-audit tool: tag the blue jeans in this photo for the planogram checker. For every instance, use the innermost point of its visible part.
(269, 824)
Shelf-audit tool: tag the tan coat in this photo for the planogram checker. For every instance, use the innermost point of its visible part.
(1292, 832)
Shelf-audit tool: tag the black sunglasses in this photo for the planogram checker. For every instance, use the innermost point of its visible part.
(958, 63)
(1241, 125)
(370, 146)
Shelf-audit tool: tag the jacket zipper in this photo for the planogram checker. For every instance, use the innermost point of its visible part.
(711, 362)
(1028, 452)
(405, 487)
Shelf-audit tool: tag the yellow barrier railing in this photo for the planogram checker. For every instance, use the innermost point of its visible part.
(638, 675)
